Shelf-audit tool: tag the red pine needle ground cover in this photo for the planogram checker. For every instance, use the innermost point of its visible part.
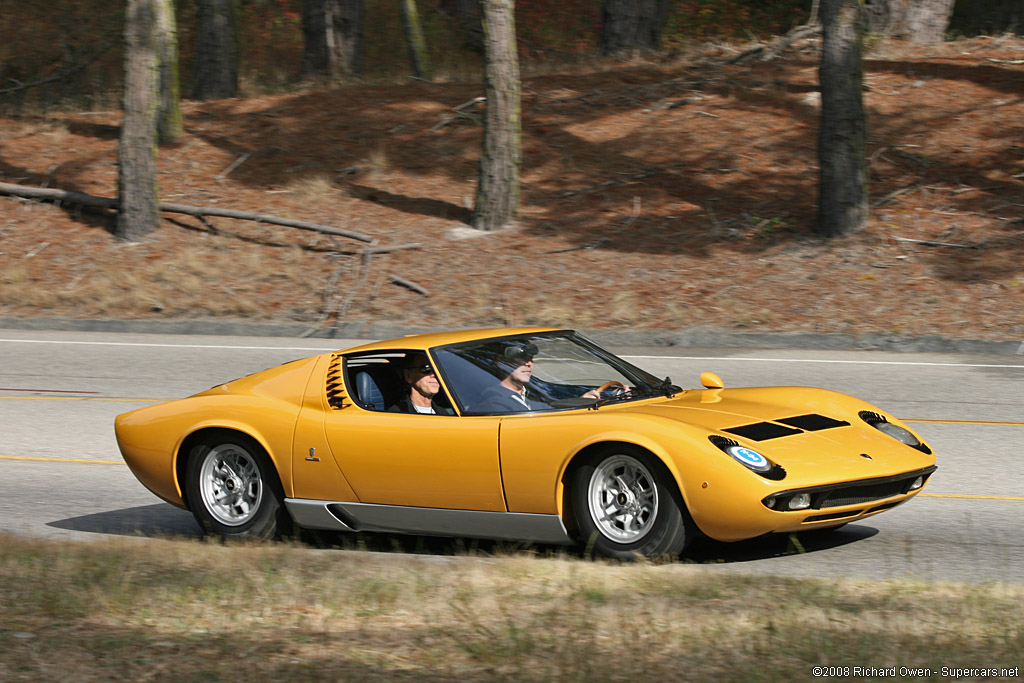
(660, 195)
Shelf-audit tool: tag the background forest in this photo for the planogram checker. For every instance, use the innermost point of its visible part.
(84, 38)
(663, 189)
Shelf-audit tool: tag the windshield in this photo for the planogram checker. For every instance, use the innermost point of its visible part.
(539, 372)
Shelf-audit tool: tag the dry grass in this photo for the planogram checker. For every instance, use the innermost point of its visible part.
(130, 610)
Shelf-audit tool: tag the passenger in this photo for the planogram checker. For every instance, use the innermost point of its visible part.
(424, 390)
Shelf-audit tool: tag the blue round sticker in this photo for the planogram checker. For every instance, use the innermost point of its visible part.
(749, 457)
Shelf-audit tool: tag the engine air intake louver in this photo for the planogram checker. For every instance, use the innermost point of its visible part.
(335, 384)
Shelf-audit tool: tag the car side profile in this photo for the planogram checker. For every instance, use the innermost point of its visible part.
(535, 434)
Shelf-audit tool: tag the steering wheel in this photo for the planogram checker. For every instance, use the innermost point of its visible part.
(611, 383)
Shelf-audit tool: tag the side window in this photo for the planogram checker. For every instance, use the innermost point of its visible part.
(373, 380)
(376, 381)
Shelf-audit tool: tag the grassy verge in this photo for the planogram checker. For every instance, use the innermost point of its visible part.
(129, 610)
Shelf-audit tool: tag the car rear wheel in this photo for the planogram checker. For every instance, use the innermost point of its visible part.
(626, 506)
(233, 490)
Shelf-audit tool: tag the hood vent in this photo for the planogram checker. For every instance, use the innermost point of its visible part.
(336, 395)
(814, 423)
(763, 431)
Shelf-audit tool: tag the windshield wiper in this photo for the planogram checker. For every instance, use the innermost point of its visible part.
(669, 389)
(664, 388)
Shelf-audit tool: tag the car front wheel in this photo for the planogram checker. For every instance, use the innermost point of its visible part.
(233, 490)
(627, 506)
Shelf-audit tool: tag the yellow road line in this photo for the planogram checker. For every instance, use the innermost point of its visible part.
(82, 398)
(965, 422)
(971, 497)
(82, 460)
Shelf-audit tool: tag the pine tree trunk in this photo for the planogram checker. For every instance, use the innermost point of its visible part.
(920, 21)
(169, 123)
(215, 65)
(497, 194)
(631, 25)
(927, 20)
(333, 35)
(140, 214)
(843, 185)
(418, 54)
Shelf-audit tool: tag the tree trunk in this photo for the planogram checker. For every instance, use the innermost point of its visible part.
(215, 65)
(843, 184)
(418, 53)
(631, 25)
(927, 20)
(920, 21)
(169, 124)
(333, 34)
(139, 213)
(497, 194)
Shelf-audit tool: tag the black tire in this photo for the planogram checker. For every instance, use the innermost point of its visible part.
(233, 489)
(626, 506)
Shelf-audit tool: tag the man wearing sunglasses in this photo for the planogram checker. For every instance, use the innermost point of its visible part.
(424, 389)
(515, 363)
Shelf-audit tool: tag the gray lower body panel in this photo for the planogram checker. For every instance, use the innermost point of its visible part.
(517, 526)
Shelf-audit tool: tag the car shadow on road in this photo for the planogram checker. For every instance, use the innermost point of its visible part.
(162, 520)
(147, 520)
(707, 551)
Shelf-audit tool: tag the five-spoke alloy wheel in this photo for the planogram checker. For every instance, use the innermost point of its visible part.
(626, 505)
(232, 488)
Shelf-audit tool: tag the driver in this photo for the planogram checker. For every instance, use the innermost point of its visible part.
(511, 395)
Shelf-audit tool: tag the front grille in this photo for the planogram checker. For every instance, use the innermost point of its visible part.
(855, 495)
(851, 493)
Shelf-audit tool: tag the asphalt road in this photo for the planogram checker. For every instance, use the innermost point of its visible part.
(62, 476)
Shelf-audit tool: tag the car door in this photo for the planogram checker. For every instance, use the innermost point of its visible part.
(432, 461)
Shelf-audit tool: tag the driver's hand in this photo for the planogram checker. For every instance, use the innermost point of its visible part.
(591, 394)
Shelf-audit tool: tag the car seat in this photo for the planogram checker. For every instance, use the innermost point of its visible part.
(368, 392)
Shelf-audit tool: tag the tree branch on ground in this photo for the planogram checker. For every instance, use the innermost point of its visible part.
(408, 284)
(935, 243)
(83, 199)
(775, 49)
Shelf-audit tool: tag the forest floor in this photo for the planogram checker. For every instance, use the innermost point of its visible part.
(658, 194)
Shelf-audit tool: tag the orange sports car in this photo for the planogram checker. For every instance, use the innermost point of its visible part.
(527, 434)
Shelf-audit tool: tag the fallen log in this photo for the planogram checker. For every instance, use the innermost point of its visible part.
(83, 199)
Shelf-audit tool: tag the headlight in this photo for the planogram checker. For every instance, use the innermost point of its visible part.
(750, 458)
(895, 431)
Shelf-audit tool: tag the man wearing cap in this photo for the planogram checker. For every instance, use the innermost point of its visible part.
(424, 389)
(511, 395)
(516, 365)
